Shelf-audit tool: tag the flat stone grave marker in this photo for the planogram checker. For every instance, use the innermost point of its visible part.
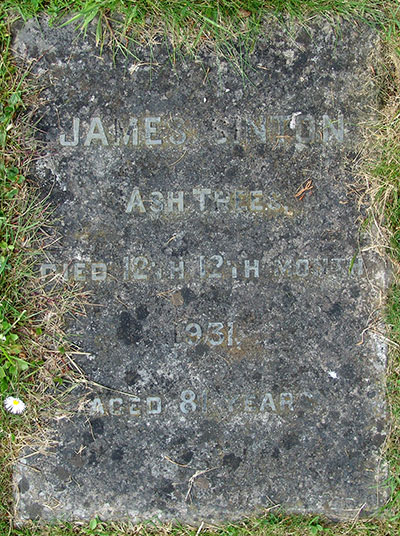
(226, 349)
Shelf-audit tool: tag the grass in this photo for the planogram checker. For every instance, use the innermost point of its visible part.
(270, 525)
(30, 314)
(381, 168)
(193, 23)
(32, 348)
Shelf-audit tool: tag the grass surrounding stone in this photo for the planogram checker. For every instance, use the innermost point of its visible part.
(382, 175)
(270, 525)
(32, 351)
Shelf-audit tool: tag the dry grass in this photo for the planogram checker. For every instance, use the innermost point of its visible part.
(380, 176)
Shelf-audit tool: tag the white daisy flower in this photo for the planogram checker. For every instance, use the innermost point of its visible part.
(14, 405)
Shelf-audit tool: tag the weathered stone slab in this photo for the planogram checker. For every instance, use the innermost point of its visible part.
(227, 346)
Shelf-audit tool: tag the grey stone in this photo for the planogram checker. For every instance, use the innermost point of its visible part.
(228, 359)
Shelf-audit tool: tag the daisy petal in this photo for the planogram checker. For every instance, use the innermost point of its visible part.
(14, 405)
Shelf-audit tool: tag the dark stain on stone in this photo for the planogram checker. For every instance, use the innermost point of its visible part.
(186, 457)
(180, 440)
(335, 311)
(142, 312)
(347, 372)
(276, 454)
(62, 474)
(260, 150)
(378, 439)
(34, 511)
(178, 248)
(232, 172)
(289, 441)
(231, 461)
(355, 292)
(92, 460)
(202, 482)
(167, 487)
(288, 299)
(188, 295)
(23, 485)
(117, 454)
(87, 438)
(334, 416)
(238, 151)
(129, 329)
(303, 38)
(77, 460)
(209, 434)
(201, 349)
(132, 376)
(97, 426)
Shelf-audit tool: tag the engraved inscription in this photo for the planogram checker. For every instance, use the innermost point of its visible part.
(205, 200)
(143, 269)
(212, 334)
(190, 401)
(297, 128)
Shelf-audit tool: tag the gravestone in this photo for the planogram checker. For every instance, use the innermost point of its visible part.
(226, 347)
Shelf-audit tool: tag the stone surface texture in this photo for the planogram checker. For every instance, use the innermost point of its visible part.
(228, 359)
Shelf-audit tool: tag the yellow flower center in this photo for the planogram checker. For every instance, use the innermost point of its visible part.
(15, 402)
